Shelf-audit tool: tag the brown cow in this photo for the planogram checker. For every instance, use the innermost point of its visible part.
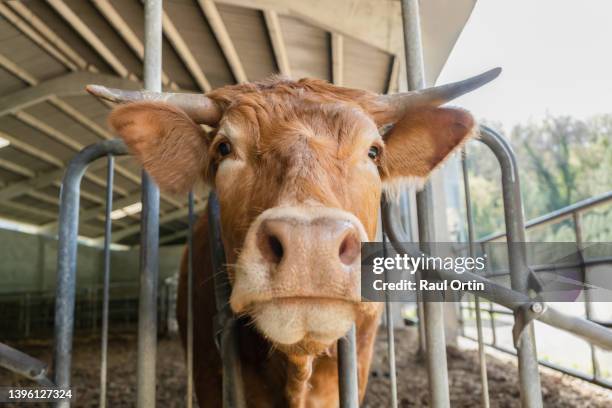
(299, 168)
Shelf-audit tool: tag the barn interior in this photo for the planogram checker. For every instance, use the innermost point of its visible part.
(50, 50)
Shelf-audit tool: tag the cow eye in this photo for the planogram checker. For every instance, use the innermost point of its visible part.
(224, 148)
(373, 152)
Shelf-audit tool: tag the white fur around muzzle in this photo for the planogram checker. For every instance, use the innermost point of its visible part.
(288, 322)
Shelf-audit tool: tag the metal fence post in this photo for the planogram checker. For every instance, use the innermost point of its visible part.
(390, 330)
(149, 227)
(472, 251)
(347, 370)
(226, 323)
(531, 393)
(588, 304)
(67, 255)
(106, 279)
(435, 341)
(190, 302)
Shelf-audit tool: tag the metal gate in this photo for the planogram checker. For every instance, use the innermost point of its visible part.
(431, 326)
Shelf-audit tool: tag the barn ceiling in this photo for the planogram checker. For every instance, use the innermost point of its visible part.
(50, 49)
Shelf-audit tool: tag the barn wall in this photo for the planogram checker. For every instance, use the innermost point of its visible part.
(28, 263)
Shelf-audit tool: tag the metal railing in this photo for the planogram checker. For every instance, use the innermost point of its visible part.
(574, 213)
(523, 308)
(30, 314)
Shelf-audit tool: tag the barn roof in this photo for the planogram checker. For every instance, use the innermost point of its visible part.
(50, 49)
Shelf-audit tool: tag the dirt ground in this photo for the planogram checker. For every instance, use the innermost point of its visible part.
(559, 391)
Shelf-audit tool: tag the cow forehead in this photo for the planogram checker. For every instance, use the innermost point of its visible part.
(269, 122)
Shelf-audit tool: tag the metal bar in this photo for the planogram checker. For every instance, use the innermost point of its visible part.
(421, 318)
(190, 303)
(22, 364)
(105, 295)
(564, 212)
(390, 334)
(587, 295)
(529, 376)
(501, 312)
(433, 310)
(149, 233)
(482, 358)
(67, 255)
(226, 333)
(575, 373)
(493, 326)
(506, 297)
(347, 370)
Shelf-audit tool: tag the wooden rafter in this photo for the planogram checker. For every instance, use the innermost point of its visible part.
(392, 83)
(278, 42)
(223, 39)
(184, 53)
(168, 217)
(60, 137)
(337, 58)
(16, 70)
(125, 32)
(33, 35)
(90, 37)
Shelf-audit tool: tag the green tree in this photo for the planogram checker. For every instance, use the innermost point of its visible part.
(561, 160)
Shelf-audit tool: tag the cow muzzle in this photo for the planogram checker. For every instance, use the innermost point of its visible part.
(298, 274)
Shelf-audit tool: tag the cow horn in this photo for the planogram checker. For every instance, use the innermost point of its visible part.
(401, 102)
(199, 107)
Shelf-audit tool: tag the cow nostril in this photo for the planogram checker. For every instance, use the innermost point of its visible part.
(269, 243)
(276, 248)
(349, 249)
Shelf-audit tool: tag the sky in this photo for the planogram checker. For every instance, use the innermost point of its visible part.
(556, 57)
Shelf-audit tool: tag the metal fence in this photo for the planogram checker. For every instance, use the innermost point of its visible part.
(431, 324)
(31, 314)
(573, 213)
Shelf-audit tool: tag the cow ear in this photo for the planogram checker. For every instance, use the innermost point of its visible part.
(421, 141)
(170, 146)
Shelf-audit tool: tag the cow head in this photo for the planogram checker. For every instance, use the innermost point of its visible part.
(299, 168)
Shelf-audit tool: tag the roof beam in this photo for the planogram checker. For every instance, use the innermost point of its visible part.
(125, 32)
(16, 168)
(34, 211)
(337, 58)
(38, 39)
(392, 83)
(60, 137)
(66, 85)
(22, 187)
(94, 127)
(223, 38)
(90, 37)
(69, 84)
(45, 197)
(46, 178)
(174, 236)
(32, 151)
(62, 47)
(171, 216)
(278, 42)
(96, 212)
(24, 171)
(55, 134)
(183, 51)
(16, 70)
